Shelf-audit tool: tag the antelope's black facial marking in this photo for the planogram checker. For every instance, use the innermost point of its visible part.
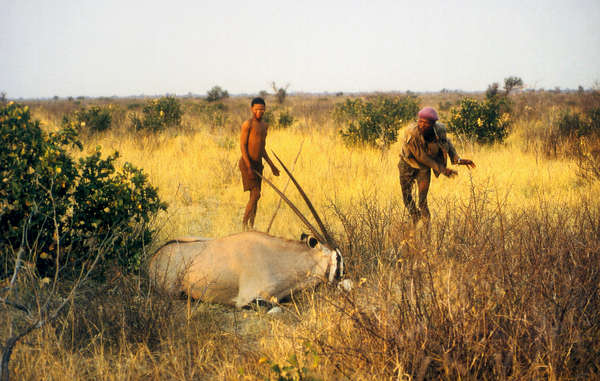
(339, 268)
(309, 240)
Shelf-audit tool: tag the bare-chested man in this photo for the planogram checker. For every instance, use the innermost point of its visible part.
(253, 141)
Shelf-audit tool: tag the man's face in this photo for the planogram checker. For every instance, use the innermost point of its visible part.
(258, 111)
(425, 124)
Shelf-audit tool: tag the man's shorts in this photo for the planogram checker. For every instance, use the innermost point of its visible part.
(249, 179)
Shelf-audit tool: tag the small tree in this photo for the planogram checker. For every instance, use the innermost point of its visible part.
(213, 114)
(511, 83)
(492, 90)
(88, 198)
(281, 92)
(285, 119)
(94, 119)
(375, 122)
(216, 94)
(485, 121)
(158, 114)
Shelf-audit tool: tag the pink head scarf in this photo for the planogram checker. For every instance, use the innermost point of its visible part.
(428, 113)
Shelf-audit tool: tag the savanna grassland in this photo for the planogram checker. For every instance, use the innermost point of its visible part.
(503, 285)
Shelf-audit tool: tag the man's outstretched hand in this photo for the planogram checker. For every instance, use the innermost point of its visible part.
(450, 172)
(467, 162)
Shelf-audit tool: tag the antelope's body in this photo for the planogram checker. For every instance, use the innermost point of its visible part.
(240, 268)
(237, 269)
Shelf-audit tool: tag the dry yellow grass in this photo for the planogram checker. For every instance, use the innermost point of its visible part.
(197, 175)
(428, 306)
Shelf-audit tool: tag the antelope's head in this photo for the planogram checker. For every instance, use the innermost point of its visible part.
(335, 267)
(320, 237)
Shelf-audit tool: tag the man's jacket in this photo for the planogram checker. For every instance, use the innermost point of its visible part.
(421, 154)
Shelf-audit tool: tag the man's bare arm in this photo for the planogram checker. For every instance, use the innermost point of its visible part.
(451, 150)
(244, 143)
(455, 158)
(268, 160)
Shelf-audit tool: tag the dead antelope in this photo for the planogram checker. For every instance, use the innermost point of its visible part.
(243, 267)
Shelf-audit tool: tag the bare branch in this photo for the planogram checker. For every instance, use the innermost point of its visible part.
(15, 305)
(17, 268)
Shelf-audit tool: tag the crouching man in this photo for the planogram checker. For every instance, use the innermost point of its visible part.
(425, 148)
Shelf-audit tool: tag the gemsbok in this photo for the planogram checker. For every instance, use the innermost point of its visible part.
(244, 267)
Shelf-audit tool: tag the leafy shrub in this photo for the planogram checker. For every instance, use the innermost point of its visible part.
(487, 121)
(444, 105)
(60, 209)
(158, 115)
(216, 94)
(587, 155)
(285, 119)
(594, 117)
(577, 135)
(573, 124)
(492, 91)
(94, 119)
(374, 122)
(213, 114)
(570, 124)
(269, 117)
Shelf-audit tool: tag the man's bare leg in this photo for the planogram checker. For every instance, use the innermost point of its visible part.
(423, 181)
(423, 185)
(250, 213)
(407, 179)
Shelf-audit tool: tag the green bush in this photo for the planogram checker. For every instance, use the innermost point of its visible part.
(216, 94)
(213, 114)
(485, 121)
(594, 120)
(285, 119)
(574, 124)
(158, 115)
(570, 124)
(94, 119)
(374, 122)
(62, 210)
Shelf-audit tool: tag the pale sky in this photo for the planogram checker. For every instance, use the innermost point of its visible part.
(120, 47)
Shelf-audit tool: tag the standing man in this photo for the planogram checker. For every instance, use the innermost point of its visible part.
(253, 141)
(425, 147)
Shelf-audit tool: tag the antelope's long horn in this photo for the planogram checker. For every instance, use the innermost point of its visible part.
(293, 207)
(328, 238)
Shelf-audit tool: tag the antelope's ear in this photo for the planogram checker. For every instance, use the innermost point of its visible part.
(303, 237)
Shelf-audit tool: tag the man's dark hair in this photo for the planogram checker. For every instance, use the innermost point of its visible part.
(257, 100)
